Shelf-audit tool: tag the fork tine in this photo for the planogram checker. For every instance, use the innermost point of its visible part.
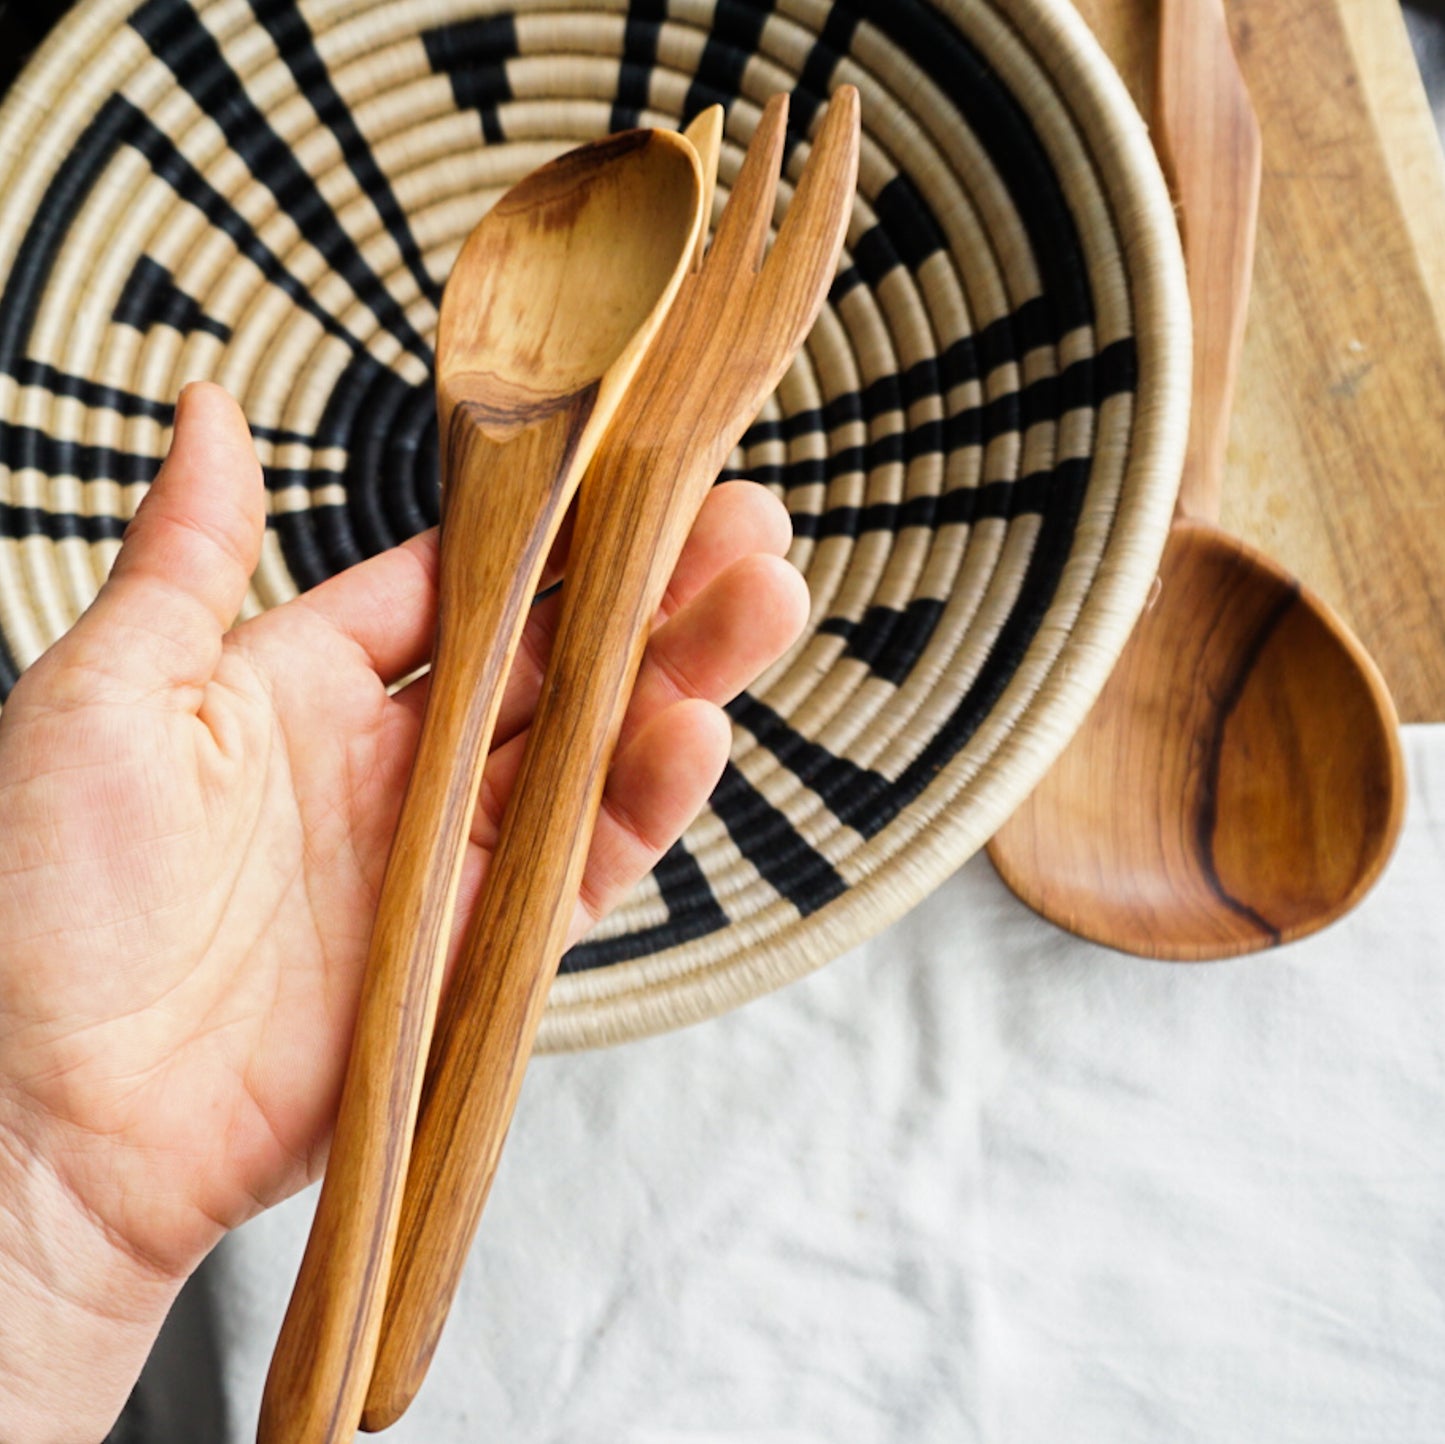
(743, 228)
(705, 133)
(806, 250)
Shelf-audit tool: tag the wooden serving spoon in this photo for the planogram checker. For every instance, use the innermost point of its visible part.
(725, 345)
(549, 309)
(1239, 782)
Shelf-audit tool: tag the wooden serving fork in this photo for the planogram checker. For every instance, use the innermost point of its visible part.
(732, 332)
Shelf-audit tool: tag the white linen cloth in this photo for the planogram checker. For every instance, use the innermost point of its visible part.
(975, 1181)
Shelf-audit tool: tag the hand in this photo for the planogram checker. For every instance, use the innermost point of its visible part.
(196, 821)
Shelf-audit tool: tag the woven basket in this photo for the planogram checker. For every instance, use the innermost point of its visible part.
(980, 446)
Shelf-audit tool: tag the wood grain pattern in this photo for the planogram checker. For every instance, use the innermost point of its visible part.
(731, 334)
(1237, 785)
(1338, 434)
(1208, 142)
(1239, 781)
(550, 305)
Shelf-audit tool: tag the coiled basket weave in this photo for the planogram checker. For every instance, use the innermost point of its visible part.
(980, 447)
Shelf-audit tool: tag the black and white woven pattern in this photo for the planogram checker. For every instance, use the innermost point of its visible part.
(978, 446)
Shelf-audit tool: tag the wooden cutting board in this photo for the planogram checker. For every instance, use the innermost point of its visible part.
(1337, 452)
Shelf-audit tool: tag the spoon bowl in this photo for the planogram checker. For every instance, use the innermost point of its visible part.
(1238, 784)
(526, 324)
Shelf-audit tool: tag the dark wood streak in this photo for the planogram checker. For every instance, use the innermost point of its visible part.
(1207, 817)
(472, 426)
(508, 410)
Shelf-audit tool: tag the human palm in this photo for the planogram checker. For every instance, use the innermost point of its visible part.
(196, 822)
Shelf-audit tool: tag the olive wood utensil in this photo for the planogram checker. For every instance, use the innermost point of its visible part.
(1239, 782)
(550, 305)
(732, 332)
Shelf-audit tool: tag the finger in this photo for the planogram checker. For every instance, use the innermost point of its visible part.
(385, 605)
(379, 608)
(656, 787)
(722, 640)
(658, 784)
(742, 622)
(669, 755)
(737, 519)
(187, 556)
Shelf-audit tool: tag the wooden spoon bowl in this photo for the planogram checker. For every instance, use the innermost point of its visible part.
(524, 328)
(1238, 784)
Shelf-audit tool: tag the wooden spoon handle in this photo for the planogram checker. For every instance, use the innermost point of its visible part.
(1210, 146)
(627, 540)
(322, 1363)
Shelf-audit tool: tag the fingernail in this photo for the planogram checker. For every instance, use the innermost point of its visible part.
(178, 413)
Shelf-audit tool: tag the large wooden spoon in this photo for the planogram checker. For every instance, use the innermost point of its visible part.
(1239, 782)
(548, 310)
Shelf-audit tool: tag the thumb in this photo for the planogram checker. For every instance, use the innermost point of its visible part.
(187, 556)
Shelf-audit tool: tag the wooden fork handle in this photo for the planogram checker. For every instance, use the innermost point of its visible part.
(322, 1363)
(627, 540)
